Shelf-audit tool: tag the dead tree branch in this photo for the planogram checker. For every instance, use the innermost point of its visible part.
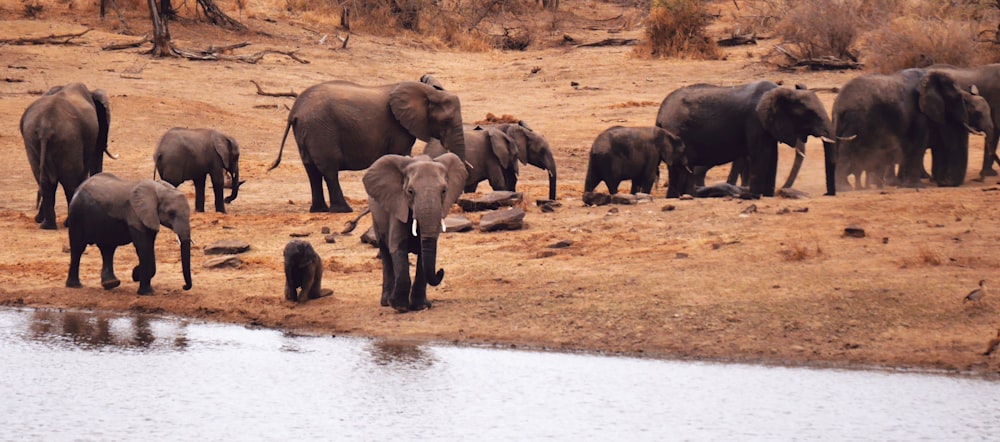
(54, 39)
(823, 63)
(260, 91)
(119, 46)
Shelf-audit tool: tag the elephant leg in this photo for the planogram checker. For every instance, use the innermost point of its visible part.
(763, 172)
(290, 294)
(337, 202)
(471, 188)
(990, 152)
(699, 175)
(144, 272)
(218, 185)
(613, 185)
(316, 187)
(199, 193)
(400, 299)
(308, 282)
(418, 294)
(77, 245)
(909, 170)
(388, 274)
(69, 189)
(108, 279)
(316, 291)
(47, 209)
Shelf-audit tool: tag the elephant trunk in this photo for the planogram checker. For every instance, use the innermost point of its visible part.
(830, 156)
(186, 262)
(800, 154)
(453, 140)
(428, 256)
(550, 165)
(235, 173)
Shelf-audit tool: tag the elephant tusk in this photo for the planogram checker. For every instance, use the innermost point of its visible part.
(467, 163)
(113, 156)
(688, 169)
(973, 130)
(848, 138)
(444, 228)
(827, 139)
(550, 173)
(414, 230)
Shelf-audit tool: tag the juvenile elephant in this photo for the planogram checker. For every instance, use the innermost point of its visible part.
(532, 149)
(722, 124)
(884, 119)
(110, 212)
(490, 154)
(345, 126)
(409, 198)
(303, 269)
(632, 153)
(987, 80)
(191, 154)
(66, 136)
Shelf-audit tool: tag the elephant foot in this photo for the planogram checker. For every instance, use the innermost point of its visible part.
(316, 208)
(135, 274)
(988, 172)
(385, 300)
(422, 306)
(338, 208)
(322, 294)
(39, 217)
(48, 225)
(144, 290)
(109, 284)
(73, 283)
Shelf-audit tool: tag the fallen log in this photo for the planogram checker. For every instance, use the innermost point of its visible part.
(53, 39)
(610, 42)
(119, 46)
(260, 91)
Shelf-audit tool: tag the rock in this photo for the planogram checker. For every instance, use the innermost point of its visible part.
(625, 199)
(369, 237)
(226, 247)
(686, 197)
(643, 198)
(668, 208)
(224, 261)
(330, 238)
(561, 244)
(545, 254)
(793, 194)
(325, 230)
(510, 219)
(596, 199)
(546, 202)
(749, 209)
(719, 190)
(457, 223)
(299, 234)
(547, 208)
(854, 232)
(491, 201)
(680, 255)
(612, 210)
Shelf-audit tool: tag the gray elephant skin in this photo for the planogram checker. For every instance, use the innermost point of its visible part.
(303, 270)
(490, 154)
(409, 198)
(109, 212)
(533, 149)
(65, 135)
(987, 80)
(722, 124)
(194, 154)
(631, 153)
(884, 119)
(340, 125)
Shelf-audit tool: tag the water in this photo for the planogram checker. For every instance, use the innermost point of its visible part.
(87, 376)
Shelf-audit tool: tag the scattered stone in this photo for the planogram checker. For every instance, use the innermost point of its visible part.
(226, 247)
(596, 199)
(643, 198)
(719, 190)
(546, 202)
(325, 230)
(801, 210)
(749, 209)
(510, 219)
(792, 194)
(298, 234)
(854, 232)
(369, 237)
(492, 201)
(457, 223)
(681, 255)
(547, 208)
(625, 199)
(885, 240)
(330, 238)
(66, 249)
(686, 197)
(668, 208)
(224, 261)
(561, 244)
(784, 210)
(797, 348)
(545, 254)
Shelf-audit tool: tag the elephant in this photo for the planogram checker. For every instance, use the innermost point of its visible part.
(883, 119)
(532, 149)
(340, 125)
(66, 136)
(191, 154)
(490, 155)
(409, 198)
(722, 124)
(987, 80)
(109, 212)
(632, 153)
(303, 269)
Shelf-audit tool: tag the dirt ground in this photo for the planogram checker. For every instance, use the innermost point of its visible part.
(781, 285)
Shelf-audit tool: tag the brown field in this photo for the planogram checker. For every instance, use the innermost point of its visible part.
(782, 285)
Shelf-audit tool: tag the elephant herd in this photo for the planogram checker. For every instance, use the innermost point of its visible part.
(878, 122)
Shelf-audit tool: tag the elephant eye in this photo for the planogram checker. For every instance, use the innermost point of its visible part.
(409, 191)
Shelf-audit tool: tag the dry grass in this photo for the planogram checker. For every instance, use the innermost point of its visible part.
(823, 28)
(493, 119)
(677, 28)
(917, 42)
(800, 252)
(633, 103)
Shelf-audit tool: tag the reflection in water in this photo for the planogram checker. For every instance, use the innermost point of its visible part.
(164, 379)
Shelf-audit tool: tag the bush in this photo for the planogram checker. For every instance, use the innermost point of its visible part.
(676, 28)
(910, 42)
(822, 28)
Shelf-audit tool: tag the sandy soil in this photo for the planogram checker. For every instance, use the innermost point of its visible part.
(782, 285)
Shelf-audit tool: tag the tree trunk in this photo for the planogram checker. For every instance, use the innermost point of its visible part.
(216, 17)
(161, 33)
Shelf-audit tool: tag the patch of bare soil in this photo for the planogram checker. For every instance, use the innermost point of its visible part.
(779, 285)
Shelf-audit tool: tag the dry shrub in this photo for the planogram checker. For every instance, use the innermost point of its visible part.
(32, 9)
(821, 28)
(677, 28)
(493, 119)
(799, 252)
(910, 42)
(925, 256)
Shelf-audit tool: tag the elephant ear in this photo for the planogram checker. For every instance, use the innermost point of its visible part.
(222, 147)
(939, 97)
(520, 136)
(776, 113)
(103, 108)
(457, 174)
(384, 183)
(144, 202)
(409, 103)
(503, 147)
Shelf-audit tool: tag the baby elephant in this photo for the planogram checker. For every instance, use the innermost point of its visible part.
(631, 153)
(191, 154)
(303, 269)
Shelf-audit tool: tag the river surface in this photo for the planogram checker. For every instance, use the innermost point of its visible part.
(100, 376)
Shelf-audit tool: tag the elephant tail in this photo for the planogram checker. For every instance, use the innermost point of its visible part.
(352, 224)
(277, 161)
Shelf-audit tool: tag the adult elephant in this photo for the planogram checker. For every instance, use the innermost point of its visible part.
(110, 212)
(409, 198)
(65, 135)
(722, 124)
(987, 80)
(631, 153)
(340, 125)
(490, 154)
(192, 154)
(884, 119)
